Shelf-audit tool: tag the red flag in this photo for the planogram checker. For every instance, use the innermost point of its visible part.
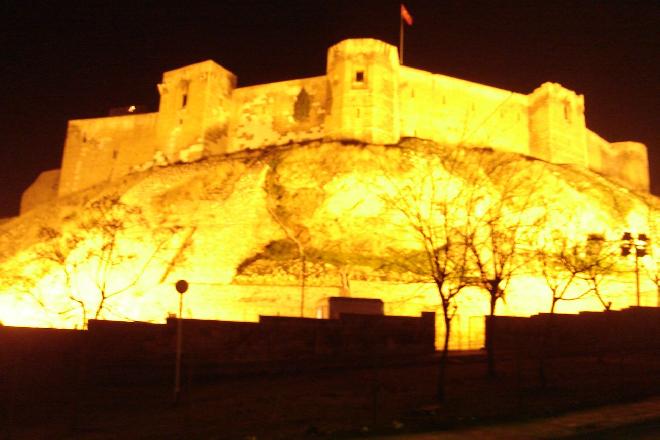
(405, 15)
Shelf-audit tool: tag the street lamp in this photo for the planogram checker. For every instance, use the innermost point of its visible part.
(181, 287)
(630, 243)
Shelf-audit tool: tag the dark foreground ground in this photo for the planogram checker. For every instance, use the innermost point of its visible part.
(632, 420)
(349, 402)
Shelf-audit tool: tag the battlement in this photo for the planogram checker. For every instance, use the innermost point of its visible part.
(557, 125)
(365, 96)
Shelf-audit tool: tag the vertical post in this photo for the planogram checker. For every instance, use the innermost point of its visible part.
(404, 15)
(181, 287)
(303, 276)
(631, 243)
(400, 39)
(637, 274)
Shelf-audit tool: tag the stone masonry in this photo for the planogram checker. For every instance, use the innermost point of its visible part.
(365, 96)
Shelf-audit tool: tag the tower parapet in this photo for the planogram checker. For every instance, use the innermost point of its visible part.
(195, 111)
(364, 82)
(557, 125)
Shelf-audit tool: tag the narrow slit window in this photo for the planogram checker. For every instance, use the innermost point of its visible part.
(184, 100)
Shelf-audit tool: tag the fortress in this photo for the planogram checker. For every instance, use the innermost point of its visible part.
(311, 220)
(366, 96)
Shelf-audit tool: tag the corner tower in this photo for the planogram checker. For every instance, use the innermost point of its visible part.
(195, 111)
(557, 130)
(364, 85)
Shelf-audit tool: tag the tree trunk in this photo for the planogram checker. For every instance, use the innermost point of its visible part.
(442, 367)
(544, 348)
(303, 277)
(99, 308)
(490, 335)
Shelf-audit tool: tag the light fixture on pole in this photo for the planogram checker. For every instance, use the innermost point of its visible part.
(630, 243)
(181, 287)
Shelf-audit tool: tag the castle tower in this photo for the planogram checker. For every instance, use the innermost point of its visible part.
(557, 128)
(195, 111)
(363, 76)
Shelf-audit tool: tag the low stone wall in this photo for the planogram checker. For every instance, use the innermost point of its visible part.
(134, 352)
(272, 338)
(38, 359)
(634, 329)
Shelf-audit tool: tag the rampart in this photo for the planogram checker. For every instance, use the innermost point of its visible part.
(365, 96)
(457, 112)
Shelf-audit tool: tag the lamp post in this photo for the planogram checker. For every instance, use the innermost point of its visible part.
(630, 243)
(181, 287)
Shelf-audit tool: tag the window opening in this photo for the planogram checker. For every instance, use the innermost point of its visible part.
(302, 106)
(359, 76)
(184, 100)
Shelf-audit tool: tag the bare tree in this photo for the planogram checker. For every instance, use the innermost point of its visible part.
(293, 228)
(56, 249)
(501, 230)
(101, 248)
(431, 200)
(653, 273)
(563, 264)
(652, 268)
(598, 261)
(300, 237)
(24, 285)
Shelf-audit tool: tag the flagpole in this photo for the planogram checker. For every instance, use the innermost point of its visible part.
(400, 39)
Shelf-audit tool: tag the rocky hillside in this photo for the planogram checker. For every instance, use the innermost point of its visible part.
(249, 219)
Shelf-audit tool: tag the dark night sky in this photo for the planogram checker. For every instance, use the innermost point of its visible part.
(67, 59)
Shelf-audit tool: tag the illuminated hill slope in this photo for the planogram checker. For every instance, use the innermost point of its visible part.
(236, 226)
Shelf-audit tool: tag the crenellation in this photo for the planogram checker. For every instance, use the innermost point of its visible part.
(365, 96)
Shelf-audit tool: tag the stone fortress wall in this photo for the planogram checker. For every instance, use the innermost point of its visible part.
(365, 96)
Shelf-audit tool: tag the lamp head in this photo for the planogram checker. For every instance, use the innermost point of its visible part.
(181, 286)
